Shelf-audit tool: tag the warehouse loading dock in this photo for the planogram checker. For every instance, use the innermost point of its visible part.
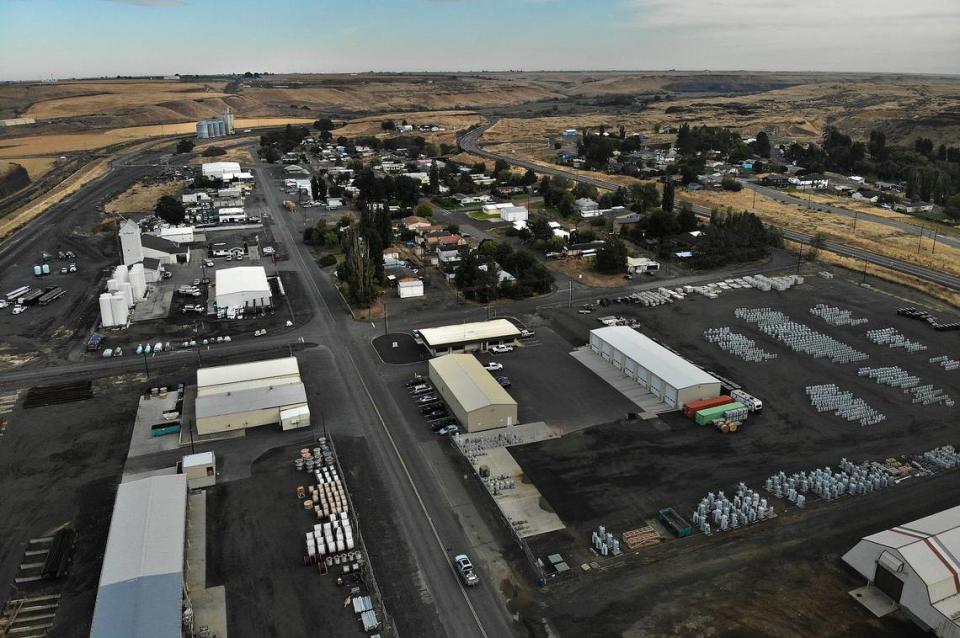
(472, 394)
(668, 376)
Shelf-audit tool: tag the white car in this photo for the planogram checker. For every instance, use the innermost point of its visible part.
(526, 334)
(493, 365)
(268, 250)
(465, 570)
(500, 349)
(18, 309)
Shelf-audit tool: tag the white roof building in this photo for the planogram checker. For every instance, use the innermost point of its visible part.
(514, 213)
(243, 287)
(474, 396)
(225, 171)
(918, 566)
(409, 287)
(469, 336)
(667, 375)
(141, 583)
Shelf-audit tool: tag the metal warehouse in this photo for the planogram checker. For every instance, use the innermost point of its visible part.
(141, 583)
(248, 395)
(468, 337)
(667, 375)
(472, 394)
(243, 287)
(918, 566)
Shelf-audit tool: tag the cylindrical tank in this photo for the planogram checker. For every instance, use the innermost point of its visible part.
(113, 285)
(228, 120)
(138, 281)
(118, 306)
(106, 310)
(221, 128)
(120, 274)
(202, 130)
(127, 291)
(46, 269)
(37, 271)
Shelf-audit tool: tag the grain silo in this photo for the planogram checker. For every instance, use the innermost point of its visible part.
(203, 131)
(106, 310)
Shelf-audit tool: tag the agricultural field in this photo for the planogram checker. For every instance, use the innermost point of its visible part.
(142, 198)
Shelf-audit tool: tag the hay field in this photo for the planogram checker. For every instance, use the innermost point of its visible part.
(36, 166)
(111, 97)
(234, 154)
(142, 198)
(452, 121)
(44, 145)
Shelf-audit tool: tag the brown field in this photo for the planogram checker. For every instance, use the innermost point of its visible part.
(452, 121)
(582, 270)
(237, 151)
(871, 236)
(110, 97)
(43, 145)
(142, 198)
(36, 166)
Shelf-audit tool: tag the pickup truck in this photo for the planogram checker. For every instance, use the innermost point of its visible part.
(465, 569)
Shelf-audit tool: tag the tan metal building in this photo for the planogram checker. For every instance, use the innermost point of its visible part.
(472, 394)
(469, 337)
(248, 395)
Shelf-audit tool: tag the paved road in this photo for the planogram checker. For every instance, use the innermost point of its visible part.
(470, 142)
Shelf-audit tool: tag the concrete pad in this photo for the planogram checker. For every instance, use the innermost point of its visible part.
(209, 605)
(156, 305)
(522, 504)
(149, 413)
(649, 405)
(519, 434)
(876, 602)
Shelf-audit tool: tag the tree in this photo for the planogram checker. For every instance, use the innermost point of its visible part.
(479, 168)
(529, 178)
(434, 178)
(952, 207)
(424, 209)
(170, 210)
(318, 187)
(388, 125)
(214, 151)
(661, 223)
(730, 184)
(686, 218)
(358, 270)
(666, 203)
(763, 144)
(184, 146)
(324, 124)
(817, 242)
(540, 229)
(611, 257)
(500, 166)
(644, 196)
(271, 154)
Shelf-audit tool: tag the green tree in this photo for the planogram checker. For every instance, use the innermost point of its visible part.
(424, 209)
(611, 257)
(434, 178)
(540, 228)
(213, 151)
(666, 202)
(686, 218)
(318, 188)
(324, 124)
(170, 210)
(271, 154)
(184, 146)
(730, 184)
(644, 196)
(762, 144)
(529, 178)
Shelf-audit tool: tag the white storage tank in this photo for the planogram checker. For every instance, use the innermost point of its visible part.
(118, 307)
(127, 290)
(113, 285)
(202, 130)
(46, 269)
(106, 310)
(138, 281)
(120, 274)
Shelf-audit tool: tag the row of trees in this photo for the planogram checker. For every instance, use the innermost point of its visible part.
(274, 144)
(734, 238)
(361, 273)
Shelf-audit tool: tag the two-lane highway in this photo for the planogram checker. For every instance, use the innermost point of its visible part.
(469, 142)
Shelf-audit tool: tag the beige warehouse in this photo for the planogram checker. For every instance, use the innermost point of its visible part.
(473, 395)
(247, 395)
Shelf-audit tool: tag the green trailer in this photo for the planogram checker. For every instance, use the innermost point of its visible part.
(709, 415)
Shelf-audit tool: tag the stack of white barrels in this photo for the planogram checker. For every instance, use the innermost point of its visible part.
(333, 536)
(328, 495)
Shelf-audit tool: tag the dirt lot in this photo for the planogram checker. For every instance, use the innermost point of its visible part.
(142, 198)
(60, 464)
(619, 474)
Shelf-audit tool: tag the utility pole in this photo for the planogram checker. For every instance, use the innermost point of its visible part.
(856, 216)
(799, 256)
(933, 251)
(864, 272)
(386, 315)
(919, 239)
(146, 368)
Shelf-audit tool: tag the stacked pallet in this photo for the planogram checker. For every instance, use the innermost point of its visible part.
(641, 537)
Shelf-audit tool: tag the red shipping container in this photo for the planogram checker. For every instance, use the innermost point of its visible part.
(690, 409)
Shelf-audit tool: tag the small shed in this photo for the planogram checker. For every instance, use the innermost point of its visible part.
(200, 470)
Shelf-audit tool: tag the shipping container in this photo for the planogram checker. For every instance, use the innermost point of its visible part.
(707, 416)
(690, 409)
(51, 294)
(674, 522)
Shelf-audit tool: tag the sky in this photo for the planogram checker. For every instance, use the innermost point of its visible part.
(42, 39)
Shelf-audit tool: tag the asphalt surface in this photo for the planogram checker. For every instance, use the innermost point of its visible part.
(469, 142)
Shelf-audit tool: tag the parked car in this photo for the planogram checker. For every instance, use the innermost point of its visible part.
(64, 270)
(450, 429)
(72, 268)
(427, 398)
(416, 380)
(443, 423)
(500, 349)
(493, 365)
(268, 250)
(18, 309)
(465, 569)
(427, 409)
(421, 389)
(209, 263)
(526, 334)
(167, 274)
(504, 382)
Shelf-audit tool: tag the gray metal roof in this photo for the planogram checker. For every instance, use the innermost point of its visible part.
(471, 384)
(259, 398)
(667, 365)
(140, 592)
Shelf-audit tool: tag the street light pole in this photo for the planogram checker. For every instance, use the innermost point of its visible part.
(146, 368)
(799, 256)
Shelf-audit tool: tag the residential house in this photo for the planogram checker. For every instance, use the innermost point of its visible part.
(812, 181)
(391, 256)
(415, 223)
(625, 222)
(466, 200)
(867, 195)
(913, 207)
(775, 180)
(636, 265)
(585, 205)
(409, 287)
(514, 213)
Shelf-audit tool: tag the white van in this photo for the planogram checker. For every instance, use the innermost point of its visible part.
(753, 403)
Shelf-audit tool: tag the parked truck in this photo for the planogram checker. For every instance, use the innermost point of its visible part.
(290, 206)
(753, 403)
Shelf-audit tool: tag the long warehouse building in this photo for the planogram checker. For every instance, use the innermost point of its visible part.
(918, 566)
(469, 337)
(665, 374)
(141, 583)
(473, 395)
(246, 395)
